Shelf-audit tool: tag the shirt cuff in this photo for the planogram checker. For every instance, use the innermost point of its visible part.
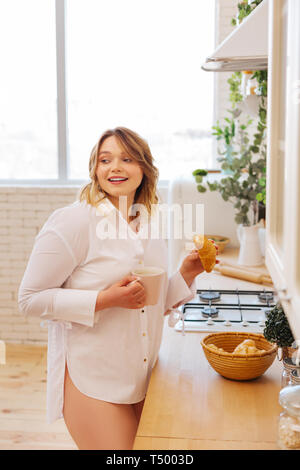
(178, 291)
(73, 305)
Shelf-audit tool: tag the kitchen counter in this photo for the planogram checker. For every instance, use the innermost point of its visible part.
(189, 406)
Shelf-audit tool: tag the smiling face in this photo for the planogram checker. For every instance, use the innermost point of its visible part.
(118, 173)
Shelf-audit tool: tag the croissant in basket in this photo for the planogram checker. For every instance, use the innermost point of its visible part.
(248, 346)
(207, 252)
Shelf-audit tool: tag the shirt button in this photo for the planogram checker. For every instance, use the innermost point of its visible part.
(143, 311)
(144, 334)
(145, 359)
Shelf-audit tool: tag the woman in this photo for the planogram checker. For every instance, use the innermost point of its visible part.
(103, 341)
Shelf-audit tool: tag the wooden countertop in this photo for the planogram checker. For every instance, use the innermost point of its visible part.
(189, 406)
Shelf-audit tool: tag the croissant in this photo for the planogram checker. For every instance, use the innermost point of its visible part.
(248, 346)
(207, 252)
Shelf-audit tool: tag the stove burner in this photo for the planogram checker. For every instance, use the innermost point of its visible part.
(266, 296)
(231, 310)
(210, 296)
(209, 312)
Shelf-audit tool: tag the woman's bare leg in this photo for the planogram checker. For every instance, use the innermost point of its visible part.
(97, 424)
(138, 408)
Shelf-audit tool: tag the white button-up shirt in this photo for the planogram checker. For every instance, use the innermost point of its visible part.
(109, 353)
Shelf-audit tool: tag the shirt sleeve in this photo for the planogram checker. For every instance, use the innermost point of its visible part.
(41, 293)
(178, 291)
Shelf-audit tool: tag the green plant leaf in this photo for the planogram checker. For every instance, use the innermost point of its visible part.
(212, 186)
(262, 181)
(199, 172)
(201, 188)
(277, 329)
(239, 219)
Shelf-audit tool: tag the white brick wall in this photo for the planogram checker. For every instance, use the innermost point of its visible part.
(23, 211)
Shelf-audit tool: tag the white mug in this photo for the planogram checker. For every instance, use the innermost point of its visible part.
(151, 278)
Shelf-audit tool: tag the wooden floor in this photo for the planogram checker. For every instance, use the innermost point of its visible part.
(23, 403)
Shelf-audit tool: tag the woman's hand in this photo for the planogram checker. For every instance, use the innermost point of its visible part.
(121, 294)
(191, 265)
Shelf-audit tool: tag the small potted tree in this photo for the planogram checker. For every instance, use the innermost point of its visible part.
(277, 330)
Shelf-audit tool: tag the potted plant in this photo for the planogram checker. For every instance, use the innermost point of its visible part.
(228, 134)
(277, 330)
(245, 185)
(243, 160)
(244, 9)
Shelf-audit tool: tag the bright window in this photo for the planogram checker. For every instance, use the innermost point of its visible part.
(137, 63)
(28, 123)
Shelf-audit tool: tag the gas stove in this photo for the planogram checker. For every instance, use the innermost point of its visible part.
(227, 310)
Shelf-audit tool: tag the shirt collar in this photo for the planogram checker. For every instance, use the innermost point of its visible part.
(106, 207)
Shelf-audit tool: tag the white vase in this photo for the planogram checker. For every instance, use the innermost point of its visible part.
(250, 249)
(262, 240)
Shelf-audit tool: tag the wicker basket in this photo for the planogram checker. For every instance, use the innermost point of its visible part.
(220, 241)
(238, 366)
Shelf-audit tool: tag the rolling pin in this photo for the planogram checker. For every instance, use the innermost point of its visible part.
(231, 271)
(243, 268)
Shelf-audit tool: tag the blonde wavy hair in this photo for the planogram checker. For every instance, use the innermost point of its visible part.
(138, 149)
